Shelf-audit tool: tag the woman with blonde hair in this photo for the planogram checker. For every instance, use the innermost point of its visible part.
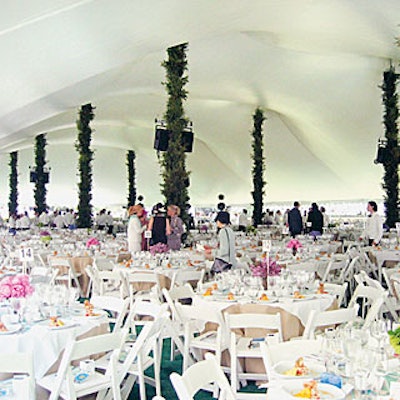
(135, 228)
(174, 240)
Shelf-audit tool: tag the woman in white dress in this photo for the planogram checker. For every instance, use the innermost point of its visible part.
(135, 228)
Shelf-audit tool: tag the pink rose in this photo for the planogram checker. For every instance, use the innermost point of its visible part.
(5, 291)
(18, 291)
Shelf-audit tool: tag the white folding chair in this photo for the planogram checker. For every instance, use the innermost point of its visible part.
(242, 347)
(324, 319)
(198, 376)
(117, 307)
(215, 341)
(372, 300)
(177, 293)
(68, 273)
(20, 363)
(144, 353)
(104, 263)
(193, 277)
(150, 280)
(286, 351)
(63, 384)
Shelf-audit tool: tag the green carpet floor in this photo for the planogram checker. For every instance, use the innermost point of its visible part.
(167, 367)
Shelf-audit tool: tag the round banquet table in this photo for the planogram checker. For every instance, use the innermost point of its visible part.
(46, 344)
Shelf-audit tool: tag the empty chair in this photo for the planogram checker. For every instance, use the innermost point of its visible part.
(144, 353)
(118, 308)
(199, 376)
(20, 363)
(43, 275)
(104, 263)
(194, 277)
(372, 300)
(286, 351)
(105, 282)
(144, 285)
(215, 341)
(63, 383)
(67, 273)
(252, 326)
(318, 320)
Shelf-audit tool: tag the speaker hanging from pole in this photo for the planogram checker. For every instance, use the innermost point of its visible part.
(162, 135)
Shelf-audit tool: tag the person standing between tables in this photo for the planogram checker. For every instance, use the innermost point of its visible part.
(135, 228)
(373, 227)
(159, 225)
(226, 239)
(243, 221)
(176, 225)
(317, 220)
(295, 221)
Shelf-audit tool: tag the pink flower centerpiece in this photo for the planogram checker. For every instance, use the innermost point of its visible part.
(294, 244)
(159, 248)
(92, 242)
(16, 286)
(260, 268)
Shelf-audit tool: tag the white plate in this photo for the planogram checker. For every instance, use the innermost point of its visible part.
(81, 313)
(327, 392)
(306, 297)
(271, 299)
(12, 328)
(67, 324)
(315, 370)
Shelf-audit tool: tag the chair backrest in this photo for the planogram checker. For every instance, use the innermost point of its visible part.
(59, 262)
(116, 305)
(138, 280)
(81, 349)
(328, 318)
(199, 375)
(249, 321)
(103, 263)
(387, 275)
(337, 262)
(19, 363)
(287, 351)
(175, 294)
(181, 277)
(337, 290)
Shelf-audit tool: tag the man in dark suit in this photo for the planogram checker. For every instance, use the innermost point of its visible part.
(295, 221)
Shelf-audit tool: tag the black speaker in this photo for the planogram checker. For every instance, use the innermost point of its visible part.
(382, 155)
(161, 139)
(33, 177)
(46, 177)
(187, 141)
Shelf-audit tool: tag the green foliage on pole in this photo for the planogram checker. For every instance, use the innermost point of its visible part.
(174, 174)
(391, 162)
(40, 184)
(258, 166)
(82, 145)
(13, 182)
(130, 163)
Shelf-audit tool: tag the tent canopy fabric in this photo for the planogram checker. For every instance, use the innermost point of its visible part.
(314, 67)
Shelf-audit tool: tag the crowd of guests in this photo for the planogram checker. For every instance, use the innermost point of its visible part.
(59, 219)
(164, 225)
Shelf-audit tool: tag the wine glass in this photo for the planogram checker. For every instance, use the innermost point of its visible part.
(378, 331)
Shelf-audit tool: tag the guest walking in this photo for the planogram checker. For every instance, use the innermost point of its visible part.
(135, 228)
(226, 239)
(174, 239)
(373, 227)
(159, 225)
(316, 219)
(295, 221)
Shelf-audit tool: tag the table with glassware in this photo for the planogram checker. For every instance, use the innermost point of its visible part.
(43, 323)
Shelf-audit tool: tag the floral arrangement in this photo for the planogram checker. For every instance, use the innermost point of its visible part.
(294, 244)
(92, 242)
(158, 248)
(45, 236)
(15, 286)
(260, 268)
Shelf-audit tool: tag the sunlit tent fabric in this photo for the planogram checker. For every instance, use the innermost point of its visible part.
(314, 67)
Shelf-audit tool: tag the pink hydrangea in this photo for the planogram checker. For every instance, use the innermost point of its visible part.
(15, 286)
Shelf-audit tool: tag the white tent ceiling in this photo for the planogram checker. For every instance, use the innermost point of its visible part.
(314, 66)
